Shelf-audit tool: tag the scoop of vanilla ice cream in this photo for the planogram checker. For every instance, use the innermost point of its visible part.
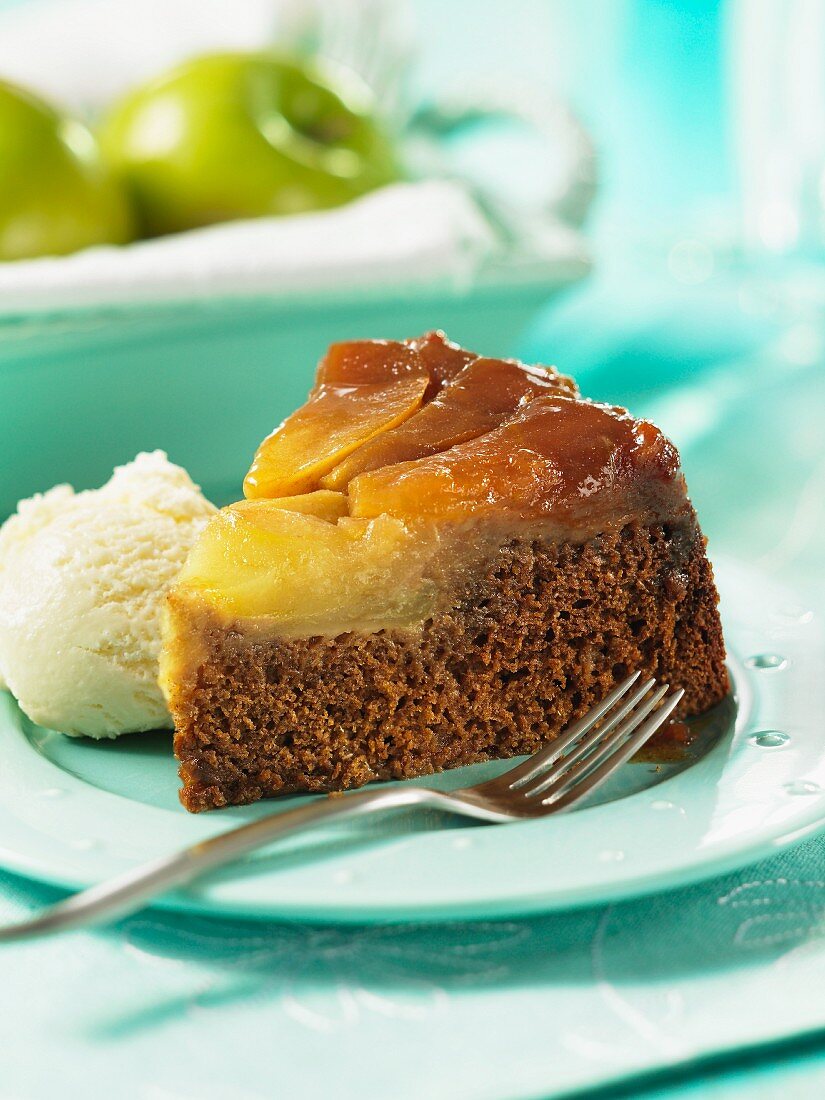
(82, 581)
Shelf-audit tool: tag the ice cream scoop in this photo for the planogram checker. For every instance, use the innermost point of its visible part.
(83, 577)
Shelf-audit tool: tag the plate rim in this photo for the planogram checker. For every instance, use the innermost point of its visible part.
(724, 857)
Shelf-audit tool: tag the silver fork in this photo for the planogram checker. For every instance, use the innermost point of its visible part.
(551, 781)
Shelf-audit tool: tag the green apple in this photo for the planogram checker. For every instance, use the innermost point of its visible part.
(56, 196)
(238, 135)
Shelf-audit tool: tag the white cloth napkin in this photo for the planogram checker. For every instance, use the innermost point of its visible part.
(402, 235)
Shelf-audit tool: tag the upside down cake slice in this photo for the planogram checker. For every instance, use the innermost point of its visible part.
(442, 559)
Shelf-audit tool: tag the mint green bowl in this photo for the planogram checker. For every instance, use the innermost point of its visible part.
(205, 381)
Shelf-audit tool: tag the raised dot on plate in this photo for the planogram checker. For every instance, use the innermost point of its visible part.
(769, 739)
(343, 878)
(767, 662)
(51, 792)
(662, 804)
(802, 786)
(462, 842)
(611, 855)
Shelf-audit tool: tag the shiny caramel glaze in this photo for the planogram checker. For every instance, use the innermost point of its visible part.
(336, 420)
(443, 359)
(559, 457)
(483, 394)
(366, 388)
(365, 362)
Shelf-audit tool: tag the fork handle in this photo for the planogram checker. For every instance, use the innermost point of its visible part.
(125, 893)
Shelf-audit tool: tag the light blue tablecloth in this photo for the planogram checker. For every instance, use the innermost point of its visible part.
(166, 1006)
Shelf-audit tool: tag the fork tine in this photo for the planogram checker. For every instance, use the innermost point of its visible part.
(563, 775)
(540, 760)
(622, 754)
(586, 743)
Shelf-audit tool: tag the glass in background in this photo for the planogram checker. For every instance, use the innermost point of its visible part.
(776, 53)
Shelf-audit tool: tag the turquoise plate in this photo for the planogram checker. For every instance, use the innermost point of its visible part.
(73, 812)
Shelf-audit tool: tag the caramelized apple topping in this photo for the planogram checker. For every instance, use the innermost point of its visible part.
(322, 503)
(368, 362)
(483, 394)
(442, 359)
(335, 420)
(558, 455)
(366, 389)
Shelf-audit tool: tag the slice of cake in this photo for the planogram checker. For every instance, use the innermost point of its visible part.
(442, 559)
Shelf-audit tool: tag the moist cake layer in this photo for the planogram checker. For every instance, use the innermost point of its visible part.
(528, 643)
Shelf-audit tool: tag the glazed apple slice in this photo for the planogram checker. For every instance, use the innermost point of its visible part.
(549, 458)
(486, 392)
(322, 504)
(335, 420)
(443, 360)
(368, 362)
(309, 576)
(362, 388)
(360, 361)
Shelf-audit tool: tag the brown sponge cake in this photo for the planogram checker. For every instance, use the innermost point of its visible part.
(312, 648)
